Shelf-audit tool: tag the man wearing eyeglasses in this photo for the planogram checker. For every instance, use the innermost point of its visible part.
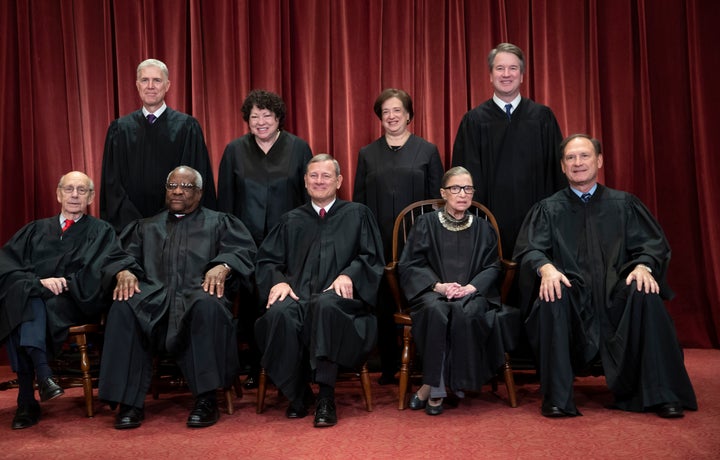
(193, 261)
(141, 147)
(54, 273)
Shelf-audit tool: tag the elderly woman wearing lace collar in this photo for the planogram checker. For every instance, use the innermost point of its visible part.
(449, 272)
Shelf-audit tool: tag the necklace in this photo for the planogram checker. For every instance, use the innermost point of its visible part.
(453, 224)
(397, 146)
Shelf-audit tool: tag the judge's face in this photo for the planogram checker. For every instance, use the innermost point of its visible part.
(182, 196)
(580, 163)
(457, 203)
(506, 76)
(394, 117)
(263, 124)
(74, 194)
(322, 182)
(152, 86)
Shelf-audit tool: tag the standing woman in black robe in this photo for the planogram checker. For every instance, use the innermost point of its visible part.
(397, 169)
(449, 271)
(261, 178)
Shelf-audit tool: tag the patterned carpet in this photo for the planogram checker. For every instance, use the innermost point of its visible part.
(482, 426)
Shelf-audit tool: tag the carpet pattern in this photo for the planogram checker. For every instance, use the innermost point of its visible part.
(482, 426)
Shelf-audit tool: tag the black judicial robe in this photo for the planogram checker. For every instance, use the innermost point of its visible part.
(139, 156)
(174, 255)
(258, 187)
(474, 331)
(596, 246)
(308, 253)
(88, 255)
(387, 181)
(514, 164)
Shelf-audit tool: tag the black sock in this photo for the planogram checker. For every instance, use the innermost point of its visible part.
(326, 392)
(209, 395)
(39, 359)
(26, 389)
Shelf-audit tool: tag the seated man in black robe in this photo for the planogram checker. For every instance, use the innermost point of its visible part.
(602, 259)
(192, 261)
(54, 273)
(319, 270)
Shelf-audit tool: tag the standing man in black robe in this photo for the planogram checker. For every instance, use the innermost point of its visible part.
(319, 270)
(510, 146)
(192, 261)
(54, 273)
(602, 259)
(141, 147)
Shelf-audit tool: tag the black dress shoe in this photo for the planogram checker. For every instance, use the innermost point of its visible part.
(325, 414)
(434, 410)
(49, 389)
(296, 410)
(416, 403)
(670, 410)
(129, 417)
(26, 416)
(251, 382)
(551, 411)
(388, 379)
(205, 413)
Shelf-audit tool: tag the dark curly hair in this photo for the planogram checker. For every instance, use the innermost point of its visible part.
(264, 100)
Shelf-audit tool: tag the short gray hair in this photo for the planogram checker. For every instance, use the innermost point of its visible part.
(198, 176)
(320, 157)
(153, 63)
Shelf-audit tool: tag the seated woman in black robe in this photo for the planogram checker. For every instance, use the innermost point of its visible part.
(449, 271)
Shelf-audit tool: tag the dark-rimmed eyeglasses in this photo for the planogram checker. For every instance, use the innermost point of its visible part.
(185, 187)
(455, 189)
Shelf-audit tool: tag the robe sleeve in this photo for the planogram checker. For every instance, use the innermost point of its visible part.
(416, 274)
(487, 265)
(271, 263)
(227, 189)
(359, 192)
(236, 248)
(434, 175)
(366, 269)
(115, 204)
(196, 155)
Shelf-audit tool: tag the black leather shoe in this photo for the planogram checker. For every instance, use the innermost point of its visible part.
(205, 413)
(251, 382)
(670, 410)
(325, 414)
(434, 410)
(49, 389)
(416, 403)
(129, 417)
(26, 416)
(296, 410)
(551, 411)
(388, 379)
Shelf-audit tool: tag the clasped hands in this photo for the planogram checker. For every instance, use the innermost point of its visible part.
(343, 286)
(551, 279)
(454, 290)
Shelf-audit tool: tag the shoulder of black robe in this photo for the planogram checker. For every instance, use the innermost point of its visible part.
(421, 262)
(349, 229)
(88, 256)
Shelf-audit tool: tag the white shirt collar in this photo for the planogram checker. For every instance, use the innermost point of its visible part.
(157, 113)
(327, 208)
(500, 103)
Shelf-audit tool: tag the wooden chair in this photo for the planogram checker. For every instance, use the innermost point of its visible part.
(65, 365)
(364, 380)
(403, 223)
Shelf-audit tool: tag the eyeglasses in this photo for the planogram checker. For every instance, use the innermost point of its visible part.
(455, 189)
(185, 187)
(69, 189)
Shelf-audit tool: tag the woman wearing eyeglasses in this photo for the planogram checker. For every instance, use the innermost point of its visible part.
(449, 271)
(397, 169)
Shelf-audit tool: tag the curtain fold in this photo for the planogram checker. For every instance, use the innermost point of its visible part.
(640, 75)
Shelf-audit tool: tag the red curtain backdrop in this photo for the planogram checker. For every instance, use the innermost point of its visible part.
(640, 75)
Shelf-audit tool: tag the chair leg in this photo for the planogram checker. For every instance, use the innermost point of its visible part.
(404, 386)
(262, 384)
(229, 396)
(81, 341)
(510, 381)
(367, 390)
